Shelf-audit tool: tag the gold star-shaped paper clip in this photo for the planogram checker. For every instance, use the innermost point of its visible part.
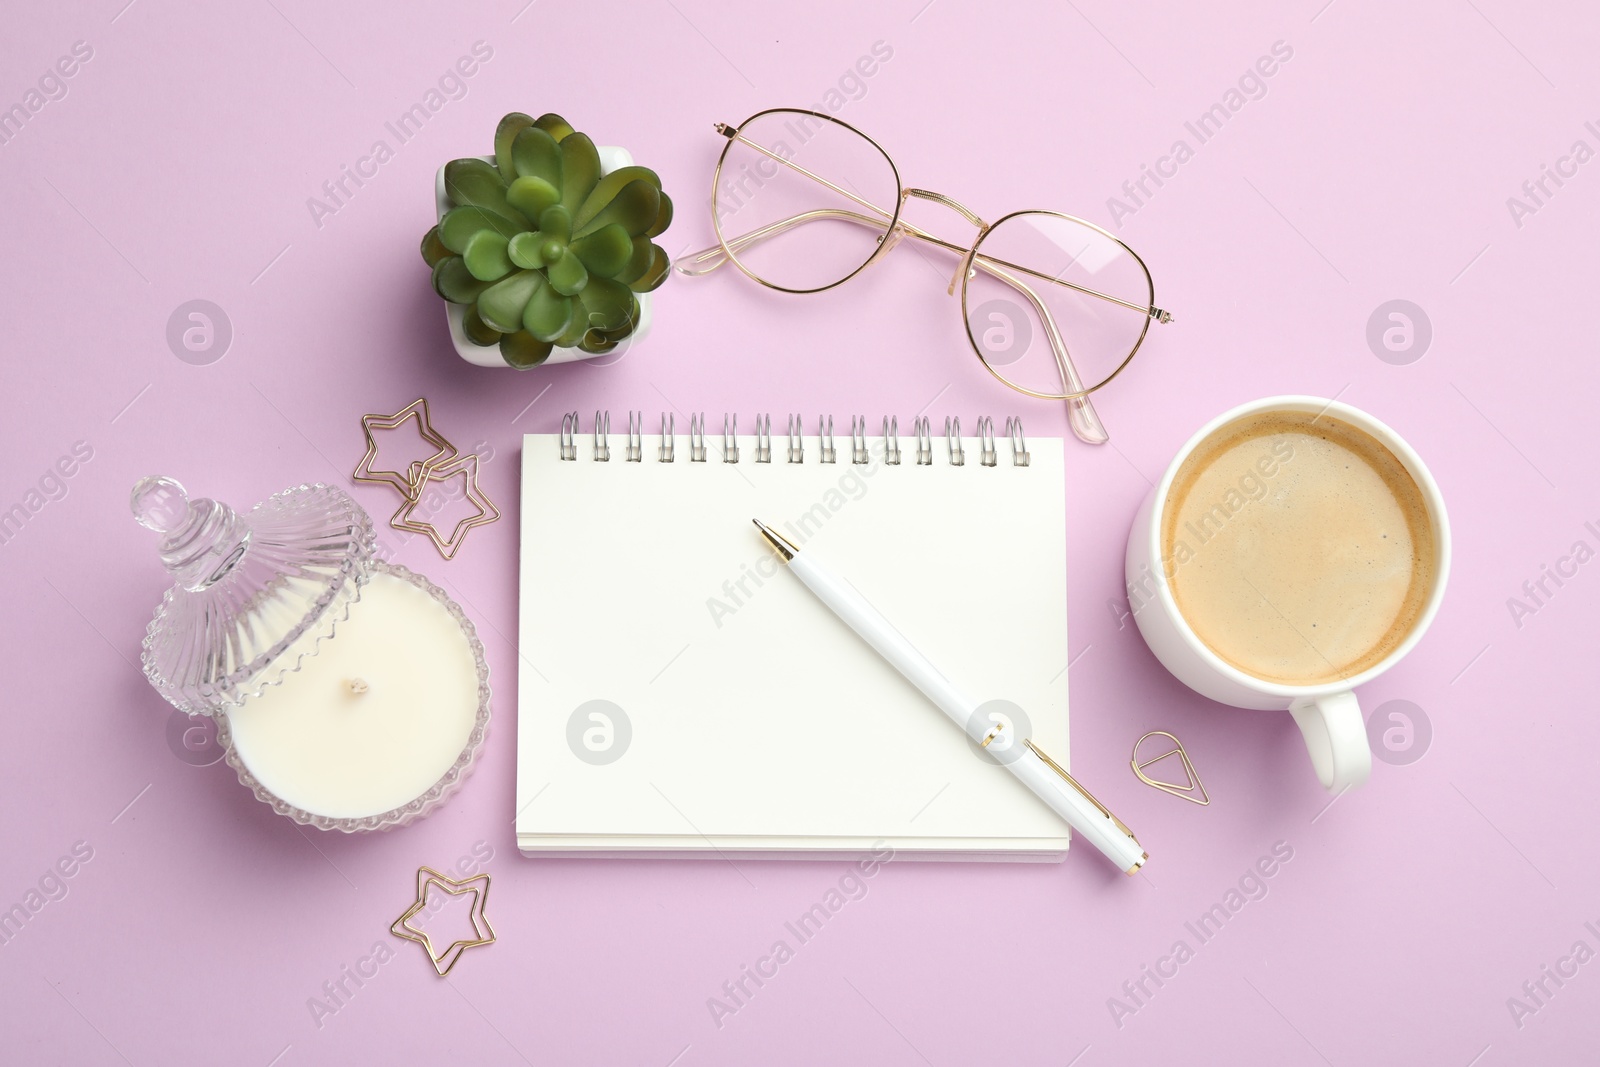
(427, 876)
(445, 463)
(464, 465)
(410, 483)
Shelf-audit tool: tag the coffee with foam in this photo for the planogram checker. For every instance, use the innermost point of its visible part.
(1298, 547)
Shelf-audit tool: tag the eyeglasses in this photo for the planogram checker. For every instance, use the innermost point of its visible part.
(796, 200)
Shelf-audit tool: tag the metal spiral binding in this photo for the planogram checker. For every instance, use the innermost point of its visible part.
(635, 448)
(669, 440)
(952, 438)
(858, 440)
(1019, 444)
(987, 455)
(860, 446)
(797, 439)
(697, 438)
(763, 438)
(569, 435)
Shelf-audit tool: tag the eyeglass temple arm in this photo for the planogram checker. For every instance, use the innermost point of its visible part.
(706, 260)
(709, 259)
(1080, 411)
(1085, 421)
(695, 264)
(717, 255)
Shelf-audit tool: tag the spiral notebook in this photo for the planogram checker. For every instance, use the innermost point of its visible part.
(680, 693)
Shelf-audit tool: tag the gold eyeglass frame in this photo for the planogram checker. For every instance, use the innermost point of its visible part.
(1084, 421)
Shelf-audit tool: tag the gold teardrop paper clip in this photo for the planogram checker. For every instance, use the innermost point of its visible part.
(1185, 791)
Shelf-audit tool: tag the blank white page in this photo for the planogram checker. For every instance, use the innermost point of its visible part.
(756, 720)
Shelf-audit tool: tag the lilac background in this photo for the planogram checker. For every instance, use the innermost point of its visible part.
(1377, 166)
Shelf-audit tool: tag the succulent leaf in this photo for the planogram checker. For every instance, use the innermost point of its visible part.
(525, 250)
(556, 221)
(608, 187)
(655, 274)
(627, 327)
(568, 275)
(500, 305)
(460, 223)
(522, 350)
(606, 251)
(663, 218)
(454, 282)
(639, 261)
(574, 331)
(468, 173)
(531, 196)
(580, 169)
(535, 154)
(504, 135)
(554, 125)
(605, 304)
(433, 249)
(486, 257)
(548, 313)
(477, 331)
(472, 181)
(596, 343)
(634, 207)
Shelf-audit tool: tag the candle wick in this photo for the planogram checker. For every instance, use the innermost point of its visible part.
(359, 685)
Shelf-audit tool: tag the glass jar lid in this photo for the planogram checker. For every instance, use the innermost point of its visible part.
(246, 587)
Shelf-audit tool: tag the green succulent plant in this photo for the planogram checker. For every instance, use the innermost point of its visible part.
(544, 250)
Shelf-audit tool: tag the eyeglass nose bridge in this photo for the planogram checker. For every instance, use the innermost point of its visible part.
(964, 267)
(939, 198)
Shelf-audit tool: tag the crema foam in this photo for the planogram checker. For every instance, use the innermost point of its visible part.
(1299, 549)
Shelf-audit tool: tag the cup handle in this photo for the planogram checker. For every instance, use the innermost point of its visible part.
(1336, 737)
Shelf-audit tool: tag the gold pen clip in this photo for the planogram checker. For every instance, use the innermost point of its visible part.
(1073, 782)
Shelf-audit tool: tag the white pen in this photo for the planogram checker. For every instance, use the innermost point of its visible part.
(1048, 780)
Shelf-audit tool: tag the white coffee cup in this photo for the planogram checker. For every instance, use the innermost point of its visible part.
(1328, 714)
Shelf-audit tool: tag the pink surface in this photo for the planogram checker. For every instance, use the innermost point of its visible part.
(1376, 166)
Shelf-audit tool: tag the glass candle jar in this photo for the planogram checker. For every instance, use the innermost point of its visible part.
(348, 693)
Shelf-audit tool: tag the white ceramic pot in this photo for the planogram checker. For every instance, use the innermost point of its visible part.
(611, 158)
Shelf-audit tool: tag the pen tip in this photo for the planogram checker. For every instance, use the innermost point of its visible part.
(776, 540)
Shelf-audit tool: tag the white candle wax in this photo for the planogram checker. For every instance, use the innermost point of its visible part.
(375, 717)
